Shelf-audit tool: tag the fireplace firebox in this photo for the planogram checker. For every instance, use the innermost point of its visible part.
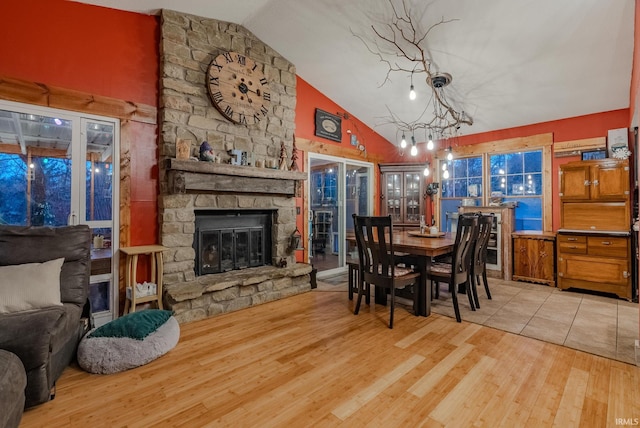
(232, 239)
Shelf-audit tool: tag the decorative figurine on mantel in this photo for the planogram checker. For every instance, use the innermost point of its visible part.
(283, 157)
(206, 152)
(294, 156)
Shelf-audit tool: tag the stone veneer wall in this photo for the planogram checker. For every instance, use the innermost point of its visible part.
(187, 45)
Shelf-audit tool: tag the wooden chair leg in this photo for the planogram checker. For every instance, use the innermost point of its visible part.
(454, 297)
(393, 300)
(486, 284)
(468, 290)
(360, 293)
(474, 289)
(351, 282)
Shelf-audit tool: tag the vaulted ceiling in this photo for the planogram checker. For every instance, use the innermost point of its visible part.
(513, 62)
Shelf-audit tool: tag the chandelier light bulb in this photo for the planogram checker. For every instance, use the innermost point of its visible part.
(430, 143)
(403, 143)
(414, 150)
(444, 166)
(445, 174)
(450, 155)
(412, 94)
(426, 171)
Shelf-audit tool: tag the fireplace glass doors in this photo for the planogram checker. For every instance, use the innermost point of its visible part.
(228, 240)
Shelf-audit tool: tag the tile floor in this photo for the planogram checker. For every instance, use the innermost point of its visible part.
(599, 325)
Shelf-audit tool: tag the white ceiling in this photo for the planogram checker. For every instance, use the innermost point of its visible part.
(514, 62)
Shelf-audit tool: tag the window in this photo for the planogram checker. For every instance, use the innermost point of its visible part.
(517, 177)
(502, 170)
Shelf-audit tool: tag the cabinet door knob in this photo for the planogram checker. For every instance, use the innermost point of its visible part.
(587, 183)
(595, 182)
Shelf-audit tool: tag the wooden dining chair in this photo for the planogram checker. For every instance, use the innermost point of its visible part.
(374, 239)
(479, 260)
(459, 270)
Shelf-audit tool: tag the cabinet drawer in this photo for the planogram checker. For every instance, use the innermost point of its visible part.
(572, 239)
(607, 246)
(572, 247)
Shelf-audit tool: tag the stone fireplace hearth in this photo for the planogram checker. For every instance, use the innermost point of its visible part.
(194, 297)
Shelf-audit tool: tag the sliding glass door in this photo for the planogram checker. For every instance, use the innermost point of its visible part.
(337, 189)
(59, 168)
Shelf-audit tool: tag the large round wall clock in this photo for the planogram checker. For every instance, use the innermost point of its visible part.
(238, 89)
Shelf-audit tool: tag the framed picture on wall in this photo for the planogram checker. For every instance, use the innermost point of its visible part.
(594, 154)
(328, 126)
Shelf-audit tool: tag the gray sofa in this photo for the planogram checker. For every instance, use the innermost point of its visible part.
(13, 381)
(46, 339)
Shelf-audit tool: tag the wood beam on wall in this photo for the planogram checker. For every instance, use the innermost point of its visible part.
(313, 146)
(23, 91)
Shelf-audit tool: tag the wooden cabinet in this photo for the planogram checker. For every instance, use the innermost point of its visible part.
(594, 248)
(534, 257)
(594, 195)
(596, 180)
(598, 262)
(499, 252)
(403, 193)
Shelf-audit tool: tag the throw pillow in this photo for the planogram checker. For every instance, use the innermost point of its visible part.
(30, 286)
(136, 325)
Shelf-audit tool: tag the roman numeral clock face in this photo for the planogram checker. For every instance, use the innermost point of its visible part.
(238, 89)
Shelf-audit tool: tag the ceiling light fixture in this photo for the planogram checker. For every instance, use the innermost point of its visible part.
(430, 144)
(414, 149)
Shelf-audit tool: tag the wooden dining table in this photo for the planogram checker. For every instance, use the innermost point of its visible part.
(420, 251)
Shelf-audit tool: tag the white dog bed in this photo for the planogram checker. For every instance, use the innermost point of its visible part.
(129, 341)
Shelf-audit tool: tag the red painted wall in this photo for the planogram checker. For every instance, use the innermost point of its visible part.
(99, 51)
(309, 98)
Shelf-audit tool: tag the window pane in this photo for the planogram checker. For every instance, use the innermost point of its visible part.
(475, 187)
(447, 188)
(475, 167)
(460, 187)
(459, 168)
(499, 184)
(35, 169)
(99, 170)
(533, 161)
(498, 164)
(515, 185)
(514, 163)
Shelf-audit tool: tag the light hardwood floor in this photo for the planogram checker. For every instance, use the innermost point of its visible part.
(308, 361)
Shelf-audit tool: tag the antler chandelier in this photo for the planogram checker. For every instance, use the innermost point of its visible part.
(403, 47)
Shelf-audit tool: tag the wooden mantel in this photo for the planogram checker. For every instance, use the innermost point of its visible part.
(193, 176)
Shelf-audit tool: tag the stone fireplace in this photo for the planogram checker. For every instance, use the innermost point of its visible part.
(190, 188)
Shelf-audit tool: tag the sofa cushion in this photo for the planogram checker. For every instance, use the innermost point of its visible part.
(22, 244)
(30, 286)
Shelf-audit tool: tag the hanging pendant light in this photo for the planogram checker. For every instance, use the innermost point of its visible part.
(426, 171)
(414, 149)
(412, 93)
(445, 174)
(430, 143)
(403, 142)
